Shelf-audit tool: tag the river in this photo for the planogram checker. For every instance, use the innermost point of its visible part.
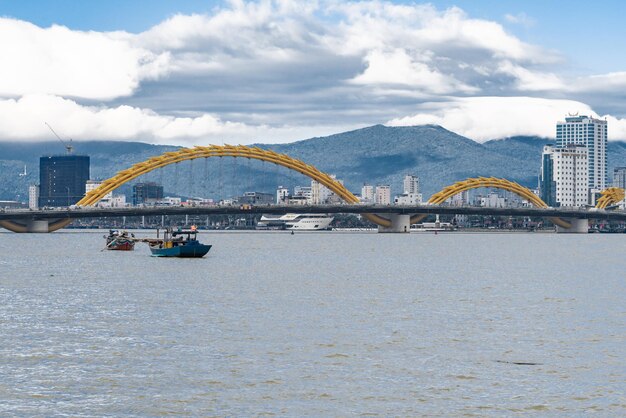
(315, 324)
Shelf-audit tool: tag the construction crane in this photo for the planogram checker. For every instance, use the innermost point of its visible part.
(68, 146)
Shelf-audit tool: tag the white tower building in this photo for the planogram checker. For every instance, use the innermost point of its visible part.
(569, 174)
(411, 184)
(367, 193)
(591, 133)
(33, 196)
(383, 195)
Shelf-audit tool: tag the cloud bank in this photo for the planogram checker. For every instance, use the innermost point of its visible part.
(271, 71)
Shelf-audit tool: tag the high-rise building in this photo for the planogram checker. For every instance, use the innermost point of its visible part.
(563, 179)
(619, 177)
(411, 184)
(591, 133)
(321, 194)
(367, 193)
(147, 193)
(547, 183)
(33, 196)
(62, 179)
(383, 195)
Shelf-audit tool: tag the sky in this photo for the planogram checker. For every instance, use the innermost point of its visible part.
(200, 72)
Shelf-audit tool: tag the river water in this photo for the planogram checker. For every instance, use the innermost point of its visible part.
(317, 324)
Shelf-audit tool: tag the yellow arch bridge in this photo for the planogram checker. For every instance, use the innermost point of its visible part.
(609, 196)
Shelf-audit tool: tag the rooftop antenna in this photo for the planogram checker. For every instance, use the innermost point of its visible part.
(68, 147)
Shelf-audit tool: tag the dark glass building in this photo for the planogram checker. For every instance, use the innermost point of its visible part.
(62, 179)
(147, 193)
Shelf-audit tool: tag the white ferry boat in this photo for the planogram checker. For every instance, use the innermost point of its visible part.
(296, 221)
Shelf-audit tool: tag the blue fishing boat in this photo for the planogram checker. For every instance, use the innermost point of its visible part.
(179, 243)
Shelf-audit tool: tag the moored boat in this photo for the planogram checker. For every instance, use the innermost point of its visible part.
(119, 241)
(180, 243)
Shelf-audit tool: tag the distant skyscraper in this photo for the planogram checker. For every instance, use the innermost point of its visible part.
(367, 193)
(619, 177)
(33, 196)
(563, 180)
(592, 133)
(146, 193)
(411, 184)
(62, 179)
(383, 195)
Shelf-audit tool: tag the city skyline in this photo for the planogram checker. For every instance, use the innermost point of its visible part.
(281, 71)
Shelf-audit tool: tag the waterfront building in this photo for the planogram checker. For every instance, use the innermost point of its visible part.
(383, 195)
(460, 199)
(408, 199)
(411, 184)
(619, 177)
(281, 194)
(367, 193)
(492, 200)
(62, 179)
(33, 196)
(147, 193)
(567, 179)
(320, 194)
(591, 133)
(256, 198)
(303, 191)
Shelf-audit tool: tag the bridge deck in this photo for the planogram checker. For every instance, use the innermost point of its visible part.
(91, 212)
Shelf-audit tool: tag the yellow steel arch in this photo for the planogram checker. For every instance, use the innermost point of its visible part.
(240, 151)
(610, 196)
(492, 182)
(19, 227)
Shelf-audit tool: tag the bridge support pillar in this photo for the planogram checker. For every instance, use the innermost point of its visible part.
(37, 226)
(579, 226)
(399, 224)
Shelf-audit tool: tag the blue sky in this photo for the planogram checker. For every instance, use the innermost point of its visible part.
(281, 70)
(587, 33)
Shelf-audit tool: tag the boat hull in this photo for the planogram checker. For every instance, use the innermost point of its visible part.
(121, 245)
(181, 251)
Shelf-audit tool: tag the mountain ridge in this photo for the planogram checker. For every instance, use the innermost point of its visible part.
(375, 155)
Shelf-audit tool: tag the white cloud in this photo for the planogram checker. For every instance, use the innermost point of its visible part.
(24, 119)
(278, 69)
(61, 61)
(485, 118)
(398, 68)
(520, 19)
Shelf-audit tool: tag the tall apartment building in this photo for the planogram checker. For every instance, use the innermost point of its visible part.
(564, 175)
(62, 179)
(591, 133)
(383, 195)
(411, 184)
(367, 193)
(33, 196)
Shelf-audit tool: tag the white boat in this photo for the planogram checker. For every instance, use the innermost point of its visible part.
(296, 221)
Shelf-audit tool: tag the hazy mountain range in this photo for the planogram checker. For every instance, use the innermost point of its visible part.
(373, 155)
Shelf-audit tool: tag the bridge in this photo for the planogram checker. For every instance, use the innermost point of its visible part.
(388, 218)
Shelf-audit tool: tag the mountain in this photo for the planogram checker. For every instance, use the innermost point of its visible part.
(373, 155)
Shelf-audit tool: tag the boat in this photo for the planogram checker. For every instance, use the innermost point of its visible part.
(296, 222)
(119, 241)
(179, 243)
